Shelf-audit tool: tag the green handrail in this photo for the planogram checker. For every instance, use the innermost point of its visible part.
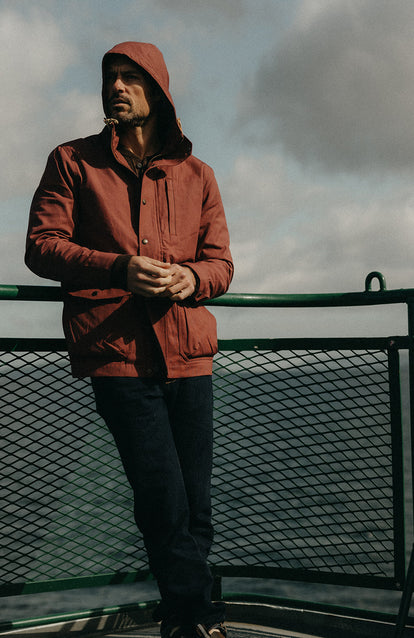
(308, 300)
(367, 297)
(30, 293)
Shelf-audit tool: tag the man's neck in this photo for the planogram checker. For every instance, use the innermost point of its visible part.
(142, 141)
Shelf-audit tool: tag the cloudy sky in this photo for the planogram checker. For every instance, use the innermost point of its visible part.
(304, 108)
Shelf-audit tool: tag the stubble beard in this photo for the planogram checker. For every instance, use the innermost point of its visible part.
(129, 120)
(134, 121)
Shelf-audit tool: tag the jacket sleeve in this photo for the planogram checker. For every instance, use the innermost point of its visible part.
(51, 248)
(213, 265)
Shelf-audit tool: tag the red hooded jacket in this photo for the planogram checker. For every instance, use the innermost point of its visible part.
(90, 208)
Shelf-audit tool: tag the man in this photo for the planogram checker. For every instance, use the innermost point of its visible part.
(133, 226)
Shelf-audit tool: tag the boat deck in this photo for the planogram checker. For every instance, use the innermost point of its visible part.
(235, 630)
(245, 620)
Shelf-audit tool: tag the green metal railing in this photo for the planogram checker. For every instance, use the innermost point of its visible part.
(308, 483)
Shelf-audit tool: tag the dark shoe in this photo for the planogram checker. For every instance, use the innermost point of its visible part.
(216, 631)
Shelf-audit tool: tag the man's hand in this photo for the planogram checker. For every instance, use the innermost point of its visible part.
(152, 278)
(148, 277)
(183, 283)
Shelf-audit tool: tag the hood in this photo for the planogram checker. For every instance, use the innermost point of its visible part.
(150, 58)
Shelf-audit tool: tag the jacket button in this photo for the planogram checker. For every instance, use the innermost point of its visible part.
(145, 241)
(144, 201)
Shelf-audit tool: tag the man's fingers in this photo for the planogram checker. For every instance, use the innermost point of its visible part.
(155, 262)
(178, 287)
(149, 291)
(147, 276)
(182, 285)
(154, 279)
(150, 278)
(156, 269)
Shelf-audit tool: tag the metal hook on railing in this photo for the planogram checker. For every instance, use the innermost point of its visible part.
(375, 275)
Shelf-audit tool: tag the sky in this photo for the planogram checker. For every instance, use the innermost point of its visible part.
(304, 108)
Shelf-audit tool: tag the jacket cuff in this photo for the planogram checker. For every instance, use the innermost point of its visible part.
(197, 282)
(119, 272)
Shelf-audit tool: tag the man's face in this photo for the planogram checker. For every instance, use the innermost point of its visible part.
(128, 95)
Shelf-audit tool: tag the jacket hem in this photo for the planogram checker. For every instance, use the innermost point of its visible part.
(191, 368)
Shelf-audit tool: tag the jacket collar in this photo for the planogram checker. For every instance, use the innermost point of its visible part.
(175, 152)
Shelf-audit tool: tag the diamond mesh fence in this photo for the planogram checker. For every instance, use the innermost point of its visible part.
(304, 447)
(66, 511)
(305, 471)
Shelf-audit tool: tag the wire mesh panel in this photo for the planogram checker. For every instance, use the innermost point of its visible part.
(66, 507)
(305, 471)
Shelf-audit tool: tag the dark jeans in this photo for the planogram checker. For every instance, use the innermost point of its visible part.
(164, 434)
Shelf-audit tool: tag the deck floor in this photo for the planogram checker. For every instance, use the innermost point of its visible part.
(235, 630)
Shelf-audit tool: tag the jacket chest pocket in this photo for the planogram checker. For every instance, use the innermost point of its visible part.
(166, 209)
(178, 207)
(178, 212)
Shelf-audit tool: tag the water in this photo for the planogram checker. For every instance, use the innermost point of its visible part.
(79, 518)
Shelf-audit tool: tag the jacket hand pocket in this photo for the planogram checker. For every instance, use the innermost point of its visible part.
(92, 327)
(197, 332)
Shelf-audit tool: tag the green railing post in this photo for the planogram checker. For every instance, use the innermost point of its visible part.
(410, 307)
(409, 582)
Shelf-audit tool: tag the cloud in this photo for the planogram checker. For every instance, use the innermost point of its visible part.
(13, 270)
(36, 108)
(33, 51)
(292, 235)
(337, 90)
(229, 10)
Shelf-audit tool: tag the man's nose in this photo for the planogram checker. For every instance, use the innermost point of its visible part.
(118, 85)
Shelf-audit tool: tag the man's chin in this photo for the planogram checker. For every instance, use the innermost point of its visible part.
(119, 114)
(122, 119)
(131, 121)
